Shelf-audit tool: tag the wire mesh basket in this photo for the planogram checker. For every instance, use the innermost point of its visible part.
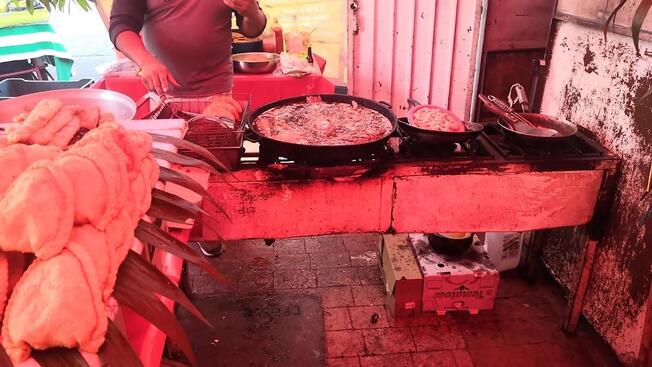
(219, 136)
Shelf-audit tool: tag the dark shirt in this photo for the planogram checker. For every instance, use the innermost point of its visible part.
(191, 37)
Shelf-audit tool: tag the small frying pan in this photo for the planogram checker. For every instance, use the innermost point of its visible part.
(472, 130)
(523, 131)
(519, 130)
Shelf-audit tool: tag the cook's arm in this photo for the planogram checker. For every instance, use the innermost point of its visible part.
(126, 21)
(250, 19)
(127, 18)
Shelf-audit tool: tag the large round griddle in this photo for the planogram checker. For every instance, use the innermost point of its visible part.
(323, 154)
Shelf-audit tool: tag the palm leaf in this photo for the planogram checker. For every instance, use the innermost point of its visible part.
(153, 235)
(147, 305)
(197, 149)
(4, 358)
(165, 211)
(59, 357)
(178, 178)
(135, 269)
(84, 5)
(182, 160)
(116, 350)
(158, 194)
(171, 213)
(171, 208)
(612, 16)
(637, 22)
(188, 161)
(163, 199)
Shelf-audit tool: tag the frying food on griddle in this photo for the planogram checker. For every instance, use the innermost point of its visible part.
(52, 123)
(437, 119)
(321, 123)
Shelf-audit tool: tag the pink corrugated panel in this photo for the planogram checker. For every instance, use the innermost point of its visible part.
(424, 49)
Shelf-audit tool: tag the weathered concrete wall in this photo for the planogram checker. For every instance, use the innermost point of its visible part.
(596, 85)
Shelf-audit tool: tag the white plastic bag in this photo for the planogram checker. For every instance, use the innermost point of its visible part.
(121, 67)
(294, 65)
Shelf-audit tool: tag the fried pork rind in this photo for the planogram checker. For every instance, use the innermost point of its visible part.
(66, 133)
(43, 112)
(90, 118)
(76, 211)
(21, 117)
(61, 119)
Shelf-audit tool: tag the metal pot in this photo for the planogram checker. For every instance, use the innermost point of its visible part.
(450, 244)
(255, 62)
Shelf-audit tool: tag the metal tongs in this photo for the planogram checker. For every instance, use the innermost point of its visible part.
(500, 107)
(517, 95)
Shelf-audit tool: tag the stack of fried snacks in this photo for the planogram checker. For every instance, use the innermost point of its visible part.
(52, 123)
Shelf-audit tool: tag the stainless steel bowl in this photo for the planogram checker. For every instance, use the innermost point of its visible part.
(255, 62)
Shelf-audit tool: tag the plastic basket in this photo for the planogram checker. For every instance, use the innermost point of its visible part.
(224, 142)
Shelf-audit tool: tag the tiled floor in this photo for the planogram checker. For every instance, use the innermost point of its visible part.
(342, 273)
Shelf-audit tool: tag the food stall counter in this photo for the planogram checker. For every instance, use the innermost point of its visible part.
(263, 88)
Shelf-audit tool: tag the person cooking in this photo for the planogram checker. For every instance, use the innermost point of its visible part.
(183, 47)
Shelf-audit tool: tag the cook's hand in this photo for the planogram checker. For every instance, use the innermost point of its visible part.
(157, 77)
(243, 7)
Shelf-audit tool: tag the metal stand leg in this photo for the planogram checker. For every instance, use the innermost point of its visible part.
(594, 232)
(576, 298)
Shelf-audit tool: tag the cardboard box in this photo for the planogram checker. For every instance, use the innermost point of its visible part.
(401, 275)
(456, 283)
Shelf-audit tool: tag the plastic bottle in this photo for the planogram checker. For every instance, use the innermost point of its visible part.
(269, 41)
(504, 249)
(295, 42)
(278, 34)
(310, 58)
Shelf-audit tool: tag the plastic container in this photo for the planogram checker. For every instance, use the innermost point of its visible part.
(14, 87)
(504, 249)
(278, 36)
(269, 41)
(296, 40)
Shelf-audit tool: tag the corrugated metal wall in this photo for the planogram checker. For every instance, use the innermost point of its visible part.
(424, 49)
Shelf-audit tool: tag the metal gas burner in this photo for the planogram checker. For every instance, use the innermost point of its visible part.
(577, 146)
(411, 148)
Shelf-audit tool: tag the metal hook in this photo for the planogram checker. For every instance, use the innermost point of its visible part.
(354, 5)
